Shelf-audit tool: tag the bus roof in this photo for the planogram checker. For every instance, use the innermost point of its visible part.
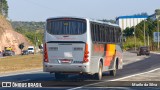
(92, 20)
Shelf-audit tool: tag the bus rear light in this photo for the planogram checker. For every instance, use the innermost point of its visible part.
(45, 53)
(86, 52)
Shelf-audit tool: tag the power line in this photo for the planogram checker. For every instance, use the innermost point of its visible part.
(45, 7)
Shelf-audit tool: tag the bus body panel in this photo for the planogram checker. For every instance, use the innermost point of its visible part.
(57, 52)
(72, 48)
(67, 47)
(66, 68)
(108, 53)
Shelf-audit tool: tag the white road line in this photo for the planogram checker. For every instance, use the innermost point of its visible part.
(155, 52)
(124, 88)
(27, 72)
(138, 59)
(23, 80)
(115, 79)
(125, 63)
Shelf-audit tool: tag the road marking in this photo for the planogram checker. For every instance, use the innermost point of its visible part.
(23, 80)
(115, 79)
(138, 59)
(155, 52)
(27, 72)
(122, 88)
(125, 63)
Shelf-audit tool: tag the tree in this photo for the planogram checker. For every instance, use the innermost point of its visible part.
(128, 31)
(141, 14)
(150, 28)
(4, 8)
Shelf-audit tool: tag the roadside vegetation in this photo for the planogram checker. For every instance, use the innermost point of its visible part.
(150, 28)
(32, 30)
(19, 63)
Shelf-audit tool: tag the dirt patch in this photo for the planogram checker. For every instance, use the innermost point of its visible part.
(9, 37)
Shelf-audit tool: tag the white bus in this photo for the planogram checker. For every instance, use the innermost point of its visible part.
(81, 45)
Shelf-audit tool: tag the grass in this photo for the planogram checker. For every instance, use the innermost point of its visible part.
(19, 63)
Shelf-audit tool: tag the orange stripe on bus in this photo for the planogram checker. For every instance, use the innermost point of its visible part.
(110, 52)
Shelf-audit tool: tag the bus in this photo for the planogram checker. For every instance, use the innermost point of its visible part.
(81, 46)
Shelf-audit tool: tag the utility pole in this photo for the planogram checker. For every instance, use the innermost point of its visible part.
(35, 47)
(134, 38)
(148, 39)
(158, 31)
(144, 34)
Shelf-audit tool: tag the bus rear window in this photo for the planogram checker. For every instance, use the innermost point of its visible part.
(66, 26)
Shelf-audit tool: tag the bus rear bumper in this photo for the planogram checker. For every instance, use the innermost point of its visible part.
(66, 68)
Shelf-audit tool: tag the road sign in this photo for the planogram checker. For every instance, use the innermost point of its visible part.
(21, 46)
(155, 36)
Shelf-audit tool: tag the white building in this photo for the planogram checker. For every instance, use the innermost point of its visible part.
(129, 21)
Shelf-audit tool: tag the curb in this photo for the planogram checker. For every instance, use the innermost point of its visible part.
(155, 52)
(21, 72)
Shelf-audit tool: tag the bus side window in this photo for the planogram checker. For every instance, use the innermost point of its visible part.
(92, 31)
(100, 30)
(107, 30)
(95, 35)
(112, 34)
(109, 34)
(115, 30)
(102, 33)
(117, 35)
(105, 34)
(98, 33)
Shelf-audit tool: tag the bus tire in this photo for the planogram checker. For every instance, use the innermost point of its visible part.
(113, 72)
(98, 75)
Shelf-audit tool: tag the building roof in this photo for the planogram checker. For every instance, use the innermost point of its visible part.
(132, 16)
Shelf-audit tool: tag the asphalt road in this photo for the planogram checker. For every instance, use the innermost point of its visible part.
(132, 65)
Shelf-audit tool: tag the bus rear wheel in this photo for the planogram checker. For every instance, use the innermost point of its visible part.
(98, 75)
(113, 72)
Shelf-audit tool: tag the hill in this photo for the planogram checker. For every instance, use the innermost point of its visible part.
(31, 30)
(9, 37)
(28, 26)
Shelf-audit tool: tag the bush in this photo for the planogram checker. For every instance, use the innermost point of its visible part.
(130, 43)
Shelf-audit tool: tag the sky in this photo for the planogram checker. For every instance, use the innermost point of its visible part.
(40, 10)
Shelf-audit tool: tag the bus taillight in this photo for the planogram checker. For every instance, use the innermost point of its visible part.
(45, 53)
(86, 52)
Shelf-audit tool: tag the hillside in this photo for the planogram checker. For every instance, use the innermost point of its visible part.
(10, 38)
(28, 26)
(31, 30)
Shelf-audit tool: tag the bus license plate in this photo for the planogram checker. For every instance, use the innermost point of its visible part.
(65, 60)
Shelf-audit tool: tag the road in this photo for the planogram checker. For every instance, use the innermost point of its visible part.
(133, 65)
